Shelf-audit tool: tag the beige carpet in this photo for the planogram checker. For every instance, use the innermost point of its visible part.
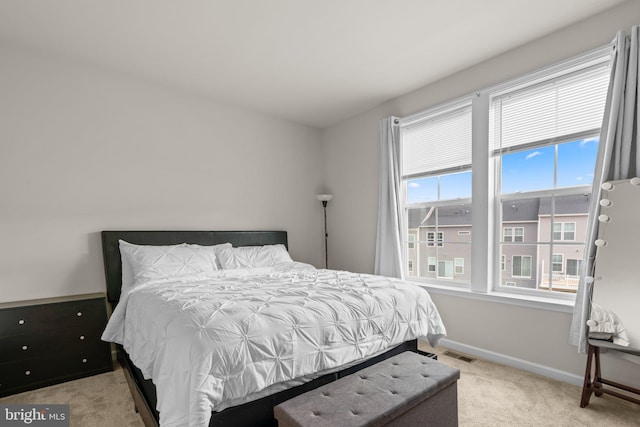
(488, 395)
(496, 395)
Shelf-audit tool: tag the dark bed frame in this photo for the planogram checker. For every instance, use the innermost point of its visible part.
(258, 413)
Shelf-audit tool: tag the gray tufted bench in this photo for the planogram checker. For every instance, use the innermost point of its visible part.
(405, 390)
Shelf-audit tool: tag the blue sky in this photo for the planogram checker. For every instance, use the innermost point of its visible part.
(521, 171)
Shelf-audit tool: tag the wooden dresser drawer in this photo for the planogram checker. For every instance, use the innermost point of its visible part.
(73, 341)
(28, 374)
(43, 318)
(47, 343)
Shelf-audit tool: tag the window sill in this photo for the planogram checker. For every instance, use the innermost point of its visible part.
(529, 301)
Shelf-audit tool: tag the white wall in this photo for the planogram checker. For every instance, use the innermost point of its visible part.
(351, 150)
(83, 149)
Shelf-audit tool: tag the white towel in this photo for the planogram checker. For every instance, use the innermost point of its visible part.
(605, 320)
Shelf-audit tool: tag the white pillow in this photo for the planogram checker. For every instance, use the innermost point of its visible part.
(253, 256)
(183, 261)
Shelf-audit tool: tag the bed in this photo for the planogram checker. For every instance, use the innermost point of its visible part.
(159, 323)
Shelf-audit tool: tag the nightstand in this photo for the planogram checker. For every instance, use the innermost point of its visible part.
(48, 341)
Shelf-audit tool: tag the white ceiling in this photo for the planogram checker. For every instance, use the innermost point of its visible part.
(316, 62)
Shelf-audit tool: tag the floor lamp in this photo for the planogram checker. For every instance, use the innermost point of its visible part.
(324, 198)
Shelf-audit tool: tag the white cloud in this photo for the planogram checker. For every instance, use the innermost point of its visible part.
(579, 178)
(414, 185)
(534, 154)
(588, 140)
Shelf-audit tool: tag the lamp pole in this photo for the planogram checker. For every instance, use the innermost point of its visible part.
(326, 235)
(324, 198)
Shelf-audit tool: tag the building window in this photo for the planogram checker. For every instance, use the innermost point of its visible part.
(564, 231)
(459, 265)
(569, 231)
(431, 238)
(410, 267)
(412, 241)
(573, 267)
(445, 269)
(557, 263)
(513, 234)
(534, 168)
(521, 266)
(432, 264)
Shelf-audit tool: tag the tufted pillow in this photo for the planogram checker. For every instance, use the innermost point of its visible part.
(253, 256)
(183, 261)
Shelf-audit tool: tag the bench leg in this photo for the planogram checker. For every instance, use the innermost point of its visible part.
(597, 377)
(586, 387)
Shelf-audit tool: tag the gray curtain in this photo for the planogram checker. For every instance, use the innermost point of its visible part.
(618, 158)
(388, 261)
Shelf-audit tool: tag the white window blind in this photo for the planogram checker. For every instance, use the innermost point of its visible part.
(568, 105)
(437, 143)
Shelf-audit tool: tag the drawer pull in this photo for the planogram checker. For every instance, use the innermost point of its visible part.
(84, 360)
(79, 314)
(24, 347)
(27, 372)
(81, 337)
(21, 322)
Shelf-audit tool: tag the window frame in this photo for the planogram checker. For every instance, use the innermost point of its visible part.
(487, 265)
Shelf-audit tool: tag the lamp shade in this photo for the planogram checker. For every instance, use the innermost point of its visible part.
(324, 197)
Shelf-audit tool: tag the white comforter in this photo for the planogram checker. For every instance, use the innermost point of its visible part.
(212, 344)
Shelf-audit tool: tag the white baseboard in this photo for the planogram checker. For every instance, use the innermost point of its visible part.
(514, 362)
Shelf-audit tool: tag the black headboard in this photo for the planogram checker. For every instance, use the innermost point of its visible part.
(113, 262)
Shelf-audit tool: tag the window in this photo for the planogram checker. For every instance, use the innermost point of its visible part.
(543, 139)
(445, 269)
(564, 231)
(573, 267)
(569, 231)
(412, 241)
(535, 142)
(432, 265)
(521, 266)
(513, 234)
(437, 183)
(557, 263)
(431, 238)
(410, 267)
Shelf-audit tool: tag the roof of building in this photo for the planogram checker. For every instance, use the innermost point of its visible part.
(573, 204)
(513, 211)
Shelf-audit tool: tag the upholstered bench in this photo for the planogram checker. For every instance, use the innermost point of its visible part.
(405, 390)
